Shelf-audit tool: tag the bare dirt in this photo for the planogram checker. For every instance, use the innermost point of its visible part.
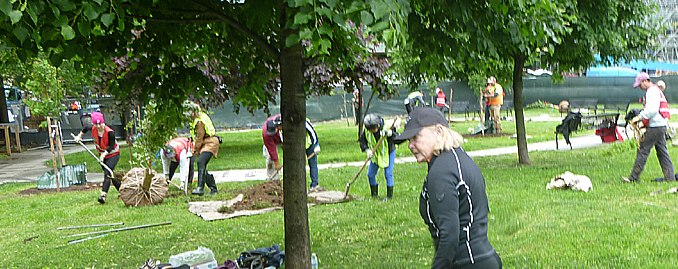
(84, 187)
(267, 194)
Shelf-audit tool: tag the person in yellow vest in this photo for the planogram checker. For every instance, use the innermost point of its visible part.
(383, 156)
(205, 145)
(108, 148)
(495, 96)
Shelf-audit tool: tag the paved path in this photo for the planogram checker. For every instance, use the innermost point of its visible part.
(29, 165)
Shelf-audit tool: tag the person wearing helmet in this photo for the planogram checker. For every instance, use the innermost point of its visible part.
(175, 154)
(272, 137)
(381, 157)
(108, 148)
(205, 145)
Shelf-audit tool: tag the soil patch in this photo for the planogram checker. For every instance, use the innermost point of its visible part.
(84, 187)
(267, 194)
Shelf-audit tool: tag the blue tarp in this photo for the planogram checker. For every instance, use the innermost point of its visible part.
(616, 71)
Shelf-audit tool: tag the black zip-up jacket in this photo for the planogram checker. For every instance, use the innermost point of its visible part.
(454, 205)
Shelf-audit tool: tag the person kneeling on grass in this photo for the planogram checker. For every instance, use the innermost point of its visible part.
(383, 156)
(453, 202)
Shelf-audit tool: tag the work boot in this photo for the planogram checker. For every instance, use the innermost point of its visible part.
(389, 193)
(375, 191)
(201, 184)
(102, 198)
(212, 184)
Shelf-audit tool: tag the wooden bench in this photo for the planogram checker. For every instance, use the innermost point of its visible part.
(618, 106)
(578, 104)
(508, 106)
(459, 107)
(6, 129)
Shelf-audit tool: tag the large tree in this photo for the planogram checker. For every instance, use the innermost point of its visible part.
(460, 38)
(254, 47)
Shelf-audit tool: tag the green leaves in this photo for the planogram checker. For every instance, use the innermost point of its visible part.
(67, 32)
(107, 19)
(15, 16)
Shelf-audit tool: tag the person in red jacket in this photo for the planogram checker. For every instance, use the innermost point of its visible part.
(272, 143)
(108, 148)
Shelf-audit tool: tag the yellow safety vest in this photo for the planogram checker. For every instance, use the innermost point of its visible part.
(209, 127)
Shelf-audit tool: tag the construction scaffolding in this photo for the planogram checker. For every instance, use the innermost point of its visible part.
(667, 44)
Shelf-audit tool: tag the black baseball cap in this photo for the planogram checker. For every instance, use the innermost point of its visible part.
(418, 119)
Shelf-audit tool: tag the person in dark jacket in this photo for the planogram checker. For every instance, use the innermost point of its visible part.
(453, 202)
(108, 148)
(381, 157)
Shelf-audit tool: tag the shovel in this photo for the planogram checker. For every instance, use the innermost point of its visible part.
(276, 171)
(381, 139)
(95, 157)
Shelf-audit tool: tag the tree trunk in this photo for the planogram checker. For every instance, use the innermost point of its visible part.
(293, 110)
(3, 104)
(359, 86)
(518, 64)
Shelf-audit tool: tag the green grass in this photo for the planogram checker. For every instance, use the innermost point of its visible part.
(615, 225)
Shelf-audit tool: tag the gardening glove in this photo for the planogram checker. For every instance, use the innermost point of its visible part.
(102, 157)
(635, 119)
(387, 133)
(369, 153)
(277, 165)
(77, 139)
(317, 150)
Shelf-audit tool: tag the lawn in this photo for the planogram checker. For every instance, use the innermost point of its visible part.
(615, 225)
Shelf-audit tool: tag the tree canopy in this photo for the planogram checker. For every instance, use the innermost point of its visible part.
(209, 51)
(461, 38)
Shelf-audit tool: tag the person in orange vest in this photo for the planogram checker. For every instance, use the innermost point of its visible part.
(176, 153)
(495, 96)
(441, 100)
(108, 148)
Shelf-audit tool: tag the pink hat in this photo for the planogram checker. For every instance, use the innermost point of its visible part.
(97, 117)
(640, 78)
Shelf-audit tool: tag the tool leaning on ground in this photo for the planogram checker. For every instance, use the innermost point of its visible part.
(381, 139)
(95, 157)
(276, 171)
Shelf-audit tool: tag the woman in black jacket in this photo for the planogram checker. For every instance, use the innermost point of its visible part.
(453, 202)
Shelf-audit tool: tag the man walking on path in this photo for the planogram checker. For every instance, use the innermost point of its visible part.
(654, 116)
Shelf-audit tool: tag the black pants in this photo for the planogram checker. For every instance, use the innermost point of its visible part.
(191, 169)
(111, 162)
(203, 159)
(493, 262)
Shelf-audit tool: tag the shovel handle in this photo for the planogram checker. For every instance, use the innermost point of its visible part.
(276, 171)
(381, 139)
(95, 157)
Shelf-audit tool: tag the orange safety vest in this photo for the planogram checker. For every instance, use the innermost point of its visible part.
(102, 144)
(440, 101)
(179, 144)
